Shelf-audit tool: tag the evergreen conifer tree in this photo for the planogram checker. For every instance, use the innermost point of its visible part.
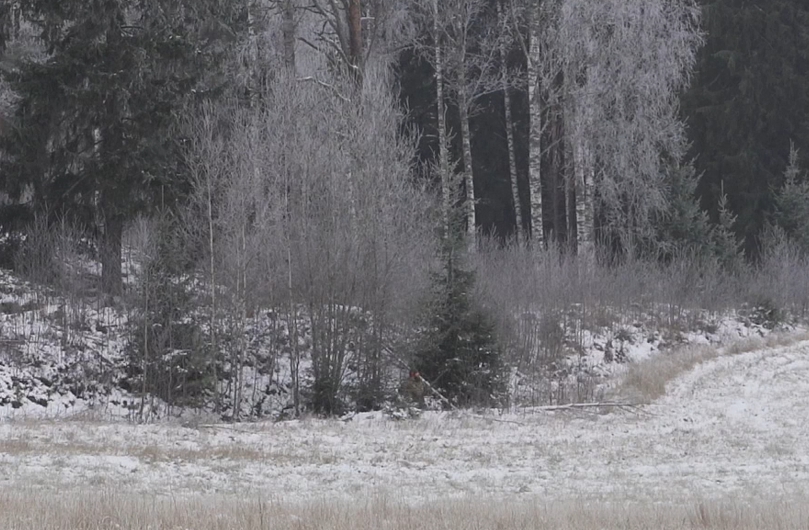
(792, 204)
(91, 136)
(457, 351)
(748, 98)
(683, 227)
(727, 248)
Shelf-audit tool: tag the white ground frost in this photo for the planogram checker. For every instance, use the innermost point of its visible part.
(735, 426)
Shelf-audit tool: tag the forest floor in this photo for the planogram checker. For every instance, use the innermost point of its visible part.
(728, 443)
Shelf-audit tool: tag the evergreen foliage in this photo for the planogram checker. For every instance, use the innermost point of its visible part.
(92, 130)
(169, 355)
(683, 227)
(457, 352)
(791, 212)
(749, 97)
(727, 249)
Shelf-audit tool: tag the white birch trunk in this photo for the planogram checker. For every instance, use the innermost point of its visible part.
(584, 203)
(469, 182)
(512, 158)
(535, 128)
(443, 148)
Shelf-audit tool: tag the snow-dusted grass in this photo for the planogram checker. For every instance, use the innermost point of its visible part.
(32, 510)
(733, 427)
(646, 380)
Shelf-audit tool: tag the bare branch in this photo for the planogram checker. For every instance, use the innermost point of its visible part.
(325, 85)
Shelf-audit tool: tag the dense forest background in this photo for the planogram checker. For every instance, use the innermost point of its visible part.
(433, 184)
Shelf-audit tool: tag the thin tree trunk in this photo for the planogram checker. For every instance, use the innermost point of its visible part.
(145, 360)
(570, 196)
(292, 323)
(212, 281)
(469, 182)
(569, 138)
(584, 206)
(443, 148)
(535, 128)
(111, 275)
(292, 315)
(512, 158)
(288, 32)
(556, 178)
(355, 39)
(241, 292)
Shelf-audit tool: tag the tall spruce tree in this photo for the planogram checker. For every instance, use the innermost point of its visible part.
(91, 134)
(749, 98)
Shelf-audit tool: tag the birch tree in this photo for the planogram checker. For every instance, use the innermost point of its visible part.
(464, 54)
(504, 41)
(444, 171)
(620, 65)
(533, 59)
(528, 21)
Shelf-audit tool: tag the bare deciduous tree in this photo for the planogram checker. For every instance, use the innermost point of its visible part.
(623, 64)
(505, 40)
(602, 83)
(346, 252)
(464, 55)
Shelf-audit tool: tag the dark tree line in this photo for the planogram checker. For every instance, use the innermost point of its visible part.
(98, 87)
(264, 140)
(746, 102)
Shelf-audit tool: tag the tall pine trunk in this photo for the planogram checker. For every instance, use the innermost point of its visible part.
(288, 35)
(111, 275)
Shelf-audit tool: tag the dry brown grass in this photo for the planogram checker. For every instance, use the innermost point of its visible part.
(646, 381)
(36, 510)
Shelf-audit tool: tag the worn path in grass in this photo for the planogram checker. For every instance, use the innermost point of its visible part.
(734, 426)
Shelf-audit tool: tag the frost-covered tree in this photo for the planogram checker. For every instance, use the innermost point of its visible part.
(506, 38)
(612, 71)
(341, 263)
(464, 56)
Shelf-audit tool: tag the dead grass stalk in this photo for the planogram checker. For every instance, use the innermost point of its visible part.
(29, 510)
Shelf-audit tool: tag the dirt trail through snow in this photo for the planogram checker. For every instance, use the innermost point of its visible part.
(735, 426)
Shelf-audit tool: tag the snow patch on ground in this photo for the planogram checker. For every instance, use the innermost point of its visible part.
(734, 426)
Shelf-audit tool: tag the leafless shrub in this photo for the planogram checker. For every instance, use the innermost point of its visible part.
(780, 284)
(311, 212)
(53, 257)
(544, 302)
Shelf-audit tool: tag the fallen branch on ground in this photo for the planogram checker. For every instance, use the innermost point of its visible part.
(605, 404)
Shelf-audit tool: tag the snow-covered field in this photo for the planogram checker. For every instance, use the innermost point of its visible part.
(734, 427)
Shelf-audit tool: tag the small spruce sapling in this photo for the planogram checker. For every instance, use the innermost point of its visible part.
(792, 204)
(457, 351)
